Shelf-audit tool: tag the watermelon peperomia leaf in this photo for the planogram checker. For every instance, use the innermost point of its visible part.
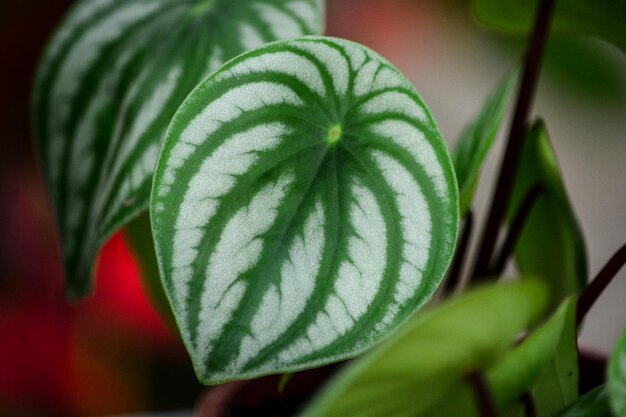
(422, 370)
(603, 18)
(304, 205)
(551, 244)
(109, 82)
(616, 381)
(478, 136)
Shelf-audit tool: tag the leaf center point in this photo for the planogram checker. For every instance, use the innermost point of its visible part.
(334, 134)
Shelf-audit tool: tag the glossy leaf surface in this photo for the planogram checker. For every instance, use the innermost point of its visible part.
(603, 18)
(304, 205)
(593, 404)
(551, 245)
(109, 82)
(616, 383)
(477, 138)
(422, 370)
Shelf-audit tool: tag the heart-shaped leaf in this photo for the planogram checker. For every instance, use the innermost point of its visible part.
(593, 404)
(617, 378)
(477, 138)
(304, 205)
(423, 368)
(551, 244)
(603, 18)
(111, 79)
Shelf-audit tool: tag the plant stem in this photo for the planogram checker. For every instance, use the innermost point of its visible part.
(530, 410)
(515, 230)
(484, 400)
(454, 276)
(510, 161)
(599, 284)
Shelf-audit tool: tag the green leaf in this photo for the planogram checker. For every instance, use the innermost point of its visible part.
(551, 244)
(424, 366)
(477, 138)
(616, 383)
(603, 18)
(304, 205)
(593, 404)
(108, 84)
(558, 385)
(516, 372)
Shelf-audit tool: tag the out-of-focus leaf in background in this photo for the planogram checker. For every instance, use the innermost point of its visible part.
(593, 404)
(617, 378)
(603, 18)
(477, 138)
(551, 244)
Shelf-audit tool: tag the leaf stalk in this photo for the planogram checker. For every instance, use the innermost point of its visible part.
(508, 167)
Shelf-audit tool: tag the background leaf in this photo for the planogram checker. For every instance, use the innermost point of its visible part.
(477, 138)
(557, 387)
(593, 404)
(304, 205)
(516, 372)
(603, 18)
(616, 383)
(422, 369)
(108, 84)
(551, 244)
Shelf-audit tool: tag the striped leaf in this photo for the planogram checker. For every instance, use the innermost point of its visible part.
(110, 81)
(304, 205)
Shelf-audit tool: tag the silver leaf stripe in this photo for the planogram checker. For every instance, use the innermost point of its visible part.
(110, 81)
(304, 205)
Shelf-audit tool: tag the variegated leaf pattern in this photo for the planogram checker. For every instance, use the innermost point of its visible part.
(304, 205)
(110, 81)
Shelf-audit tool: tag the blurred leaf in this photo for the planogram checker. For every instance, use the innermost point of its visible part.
(108, 84)
(603, 18)
(517, 371)
(593, 404)
(558, 385)
(139, 237)
(477, 138)
(551, 244)
(586, 65)
(429, 358)
(617, 378)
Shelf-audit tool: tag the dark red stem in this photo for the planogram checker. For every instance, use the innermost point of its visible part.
(510, 161)
(530, 409)
(485, 403)
(515, 229)
(599, 284)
